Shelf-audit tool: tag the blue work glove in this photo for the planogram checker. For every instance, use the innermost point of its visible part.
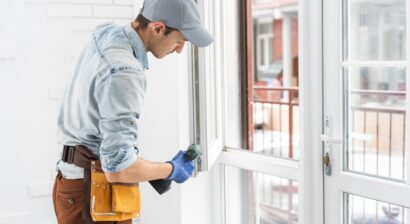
(182, 168)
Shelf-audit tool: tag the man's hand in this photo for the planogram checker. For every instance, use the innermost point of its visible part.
(182, 168)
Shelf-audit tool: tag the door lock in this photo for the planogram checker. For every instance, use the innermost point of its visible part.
(328, 166)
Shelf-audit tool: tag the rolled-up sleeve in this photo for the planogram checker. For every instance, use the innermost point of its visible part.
(119, 98)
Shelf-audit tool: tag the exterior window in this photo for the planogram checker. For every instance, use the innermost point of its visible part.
(264, 45)
(268, 100)
(273, 123)
(273, 118)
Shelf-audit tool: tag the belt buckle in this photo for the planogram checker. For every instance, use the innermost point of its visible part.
(68, 154)
(65, 154)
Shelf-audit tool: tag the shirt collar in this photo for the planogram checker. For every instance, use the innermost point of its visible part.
(138, 46)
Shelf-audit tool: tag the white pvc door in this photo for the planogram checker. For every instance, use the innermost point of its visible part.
(365, 105)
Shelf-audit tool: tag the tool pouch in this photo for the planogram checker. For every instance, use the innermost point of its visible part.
(112, 201)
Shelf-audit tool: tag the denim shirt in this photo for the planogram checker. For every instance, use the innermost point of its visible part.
(102, 102)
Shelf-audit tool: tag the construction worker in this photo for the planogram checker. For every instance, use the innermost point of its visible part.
(102, 104)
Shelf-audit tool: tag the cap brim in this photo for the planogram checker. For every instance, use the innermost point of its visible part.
(199, 36)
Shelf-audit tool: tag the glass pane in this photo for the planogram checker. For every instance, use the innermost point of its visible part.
(262, 52)
(275, 91)
(376, 108)
(256, 198)
(360, 210)
(270, 50)
(375, 30)
(265, 28)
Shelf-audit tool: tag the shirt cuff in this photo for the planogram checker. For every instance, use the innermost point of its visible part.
(124, 159)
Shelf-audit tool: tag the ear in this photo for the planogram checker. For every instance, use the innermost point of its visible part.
(157, 27)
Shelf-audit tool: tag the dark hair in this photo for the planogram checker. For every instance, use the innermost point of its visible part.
(143, 24)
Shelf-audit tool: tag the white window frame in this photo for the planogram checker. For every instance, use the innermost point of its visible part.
(309, 170)
(207, 67)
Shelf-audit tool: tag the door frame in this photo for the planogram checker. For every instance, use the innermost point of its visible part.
(310, 85)
(344, 181)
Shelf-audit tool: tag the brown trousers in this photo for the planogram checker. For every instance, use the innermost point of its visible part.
(67, 199)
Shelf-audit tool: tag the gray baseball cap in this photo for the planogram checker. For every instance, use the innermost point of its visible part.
(179, 14)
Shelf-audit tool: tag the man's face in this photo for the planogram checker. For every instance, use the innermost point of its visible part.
(162, 45)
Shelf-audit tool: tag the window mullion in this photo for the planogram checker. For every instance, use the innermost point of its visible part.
(275, 166)
(407, 122)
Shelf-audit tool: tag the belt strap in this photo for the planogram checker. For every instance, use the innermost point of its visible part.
(78, 155)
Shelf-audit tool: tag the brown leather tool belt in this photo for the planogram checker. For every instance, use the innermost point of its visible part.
(80, 156)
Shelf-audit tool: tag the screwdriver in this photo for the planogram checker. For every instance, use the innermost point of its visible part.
(163, 185)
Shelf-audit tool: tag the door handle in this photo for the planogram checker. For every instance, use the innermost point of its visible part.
(330, 140)
(326, 159)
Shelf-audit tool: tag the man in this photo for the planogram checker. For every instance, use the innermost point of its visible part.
(101, 106)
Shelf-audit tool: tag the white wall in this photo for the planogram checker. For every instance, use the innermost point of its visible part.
(38, 39)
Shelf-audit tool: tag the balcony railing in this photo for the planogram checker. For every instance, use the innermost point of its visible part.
(377, 133)
(274, 111)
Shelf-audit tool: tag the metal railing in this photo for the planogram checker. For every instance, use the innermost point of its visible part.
(381, 131)
(277, 201)
(285, 98)
(365, 210)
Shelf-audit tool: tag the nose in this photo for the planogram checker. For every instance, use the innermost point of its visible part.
(180, 47)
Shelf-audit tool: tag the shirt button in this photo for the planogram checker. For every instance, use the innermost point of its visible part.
(71, 201)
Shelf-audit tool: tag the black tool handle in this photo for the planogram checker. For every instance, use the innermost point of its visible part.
(163, 185)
